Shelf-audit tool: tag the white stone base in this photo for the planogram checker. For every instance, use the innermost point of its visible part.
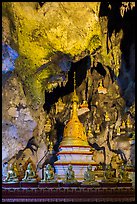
(78, 157)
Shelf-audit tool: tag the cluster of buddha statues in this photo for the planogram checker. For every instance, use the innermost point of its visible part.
(49, 175)
(110, 174)
(12, 177)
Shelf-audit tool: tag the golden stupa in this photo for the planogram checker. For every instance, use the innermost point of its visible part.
(74, 148)
(74, 132)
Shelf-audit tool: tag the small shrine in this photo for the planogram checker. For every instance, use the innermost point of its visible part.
(59, 106)
(74, 148)
(101, 89)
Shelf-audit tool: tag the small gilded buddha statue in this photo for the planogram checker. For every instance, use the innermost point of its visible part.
(123, 175)
(89, 177)
(49, 176)
(84, 101)
(89, 133)
(30, 174)
(47, 140)
(101, 89)
(123, 127)
(50, 147)
(47, 126)
(70, 175)
(97, 129)
(59, 106)
(128, 122)
(118, 131)
(11, 175)
(107, 119)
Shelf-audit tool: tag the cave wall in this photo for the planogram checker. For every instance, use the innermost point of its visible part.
(50, 41)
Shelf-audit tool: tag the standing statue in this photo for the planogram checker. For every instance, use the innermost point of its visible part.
(11, 175)
(30, 175)
(89, 177)
(70, 175)
(49, 175)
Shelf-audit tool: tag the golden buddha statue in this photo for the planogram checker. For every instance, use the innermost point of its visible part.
(47, 126)
(47, 139)
(11, 175)
(128, 122)
(30, 175)
(97, 129)
(84, 101)
(101, 89)
(50, 147)
(123, 127)
(74, 131)
(107, 119)
(89, 133)
(59, 106)
(118, 131)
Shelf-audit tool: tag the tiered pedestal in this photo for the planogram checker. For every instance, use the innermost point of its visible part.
(78, 156)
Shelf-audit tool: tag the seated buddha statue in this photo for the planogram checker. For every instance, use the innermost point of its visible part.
(11, 175)
(89, 177)
(30, 175)
(123, 175)
(49, 176)
(109, 175)
(70, 175)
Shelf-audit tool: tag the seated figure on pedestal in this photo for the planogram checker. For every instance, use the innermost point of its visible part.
(89, 177)
(11, 175)
(49, 176)
(70, 175)
(123, 175)
(30, 175)
(109, 175)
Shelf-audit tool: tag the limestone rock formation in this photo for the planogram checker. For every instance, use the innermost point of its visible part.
(52, 40)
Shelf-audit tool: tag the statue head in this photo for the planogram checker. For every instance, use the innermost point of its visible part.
(11, 167)
(70, 167)
(48, 166)
(123, 166)
(108, 167)
(89, 167)
(29, 167)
